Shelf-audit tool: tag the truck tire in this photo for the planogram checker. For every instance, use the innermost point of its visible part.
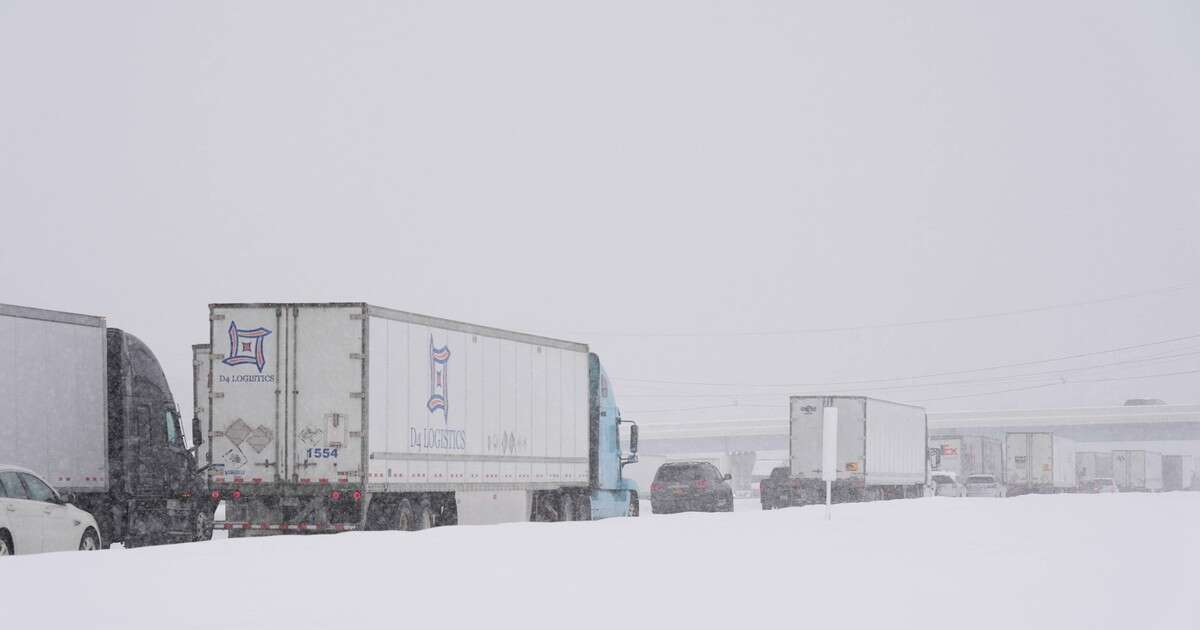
(424, 518)
(90, 541)
(6, 546)
(405, 518)
(634, 508)
(566, 507)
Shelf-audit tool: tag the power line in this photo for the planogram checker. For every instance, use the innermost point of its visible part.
(916, 377)
(903, 324)
(956, 397)
(1063, 382)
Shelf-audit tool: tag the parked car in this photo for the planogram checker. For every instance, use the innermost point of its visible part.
(945, 484)
(690, 487)
(985, 486)
(34, 518)
(1100, 485)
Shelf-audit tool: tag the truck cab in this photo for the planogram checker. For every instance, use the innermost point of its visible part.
(156, 490)
(612, 493)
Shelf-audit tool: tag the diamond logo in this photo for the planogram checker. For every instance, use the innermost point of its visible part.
(260, 438)
(238, 432)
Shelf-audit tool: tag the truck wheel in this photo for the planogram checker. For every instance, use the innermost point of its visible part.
(6, 546)
(566, 507)
(90, 541)
(203, 528)
(424, 518)
(406, 518)
(634, 508)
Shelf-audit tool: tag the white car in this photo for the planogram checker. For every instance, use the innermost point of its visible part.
(945, 484)
(34, 518)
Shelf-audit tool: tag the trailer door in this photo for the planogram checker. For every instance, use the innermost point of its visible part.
(1018, 459)
(326, 385)
(245, 403)
(1041, 456)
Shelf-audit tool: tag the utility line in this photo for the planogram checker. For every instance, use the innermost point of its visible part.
(973, 381)
(960, 396)
(916, 377)
(903, 324)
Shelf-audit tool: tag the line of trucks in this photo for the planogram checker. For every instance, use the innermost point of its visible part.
(327, 417)
(313, 418)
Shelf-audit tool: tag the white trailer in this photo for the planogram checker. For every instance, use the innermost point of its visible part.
(1091, 465)
(1138, 470)
(328, 417)
(1039, 462)
(967, 455)
(881, 450)
(53, 396)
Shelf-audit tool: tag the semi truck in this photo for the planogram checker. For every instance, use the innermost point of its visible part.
(1138, 471)
(966, 455)
(88, 407)
(881, 452)
(1179, 472)
(1090, 465)
(1039, 463)
(327, 417)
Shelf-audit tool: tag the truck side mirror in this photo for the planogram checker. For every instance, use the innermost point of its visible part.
(633, 438)
(197, 432)
(727, 477)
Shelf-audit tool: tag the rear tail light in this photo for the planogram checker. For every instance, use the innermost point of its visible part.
(237, 494)
(656, 487)
(216, 494)
(357, 495)
(702, 483)
(336, 495)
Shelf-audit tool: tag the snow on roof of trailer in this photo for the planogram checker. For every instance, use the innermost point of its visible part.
(62, 317)
(424, 320)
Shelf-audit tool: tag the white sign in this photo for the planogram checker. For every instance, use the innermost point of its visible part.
(829, 445)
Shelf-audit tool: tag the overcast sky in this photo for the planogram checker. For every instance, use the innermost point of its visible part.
(615, 172)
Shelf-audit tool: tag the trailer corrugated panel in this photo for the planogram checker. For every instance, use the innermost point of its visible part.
(879, 442)
(1154, 471)
(1063, 462)
(53, 396)
(1039, 460)
(895, 451)
(458, 404)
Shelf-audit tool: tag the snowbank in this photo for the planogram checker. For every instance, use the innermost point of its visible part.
(1062, 562)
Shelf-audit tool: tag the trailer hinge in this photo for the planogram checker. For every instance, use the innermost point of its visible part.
(355, 434)
(356, 355)
(218, 394)
(356, 394)
(216, 318)
(357, 316)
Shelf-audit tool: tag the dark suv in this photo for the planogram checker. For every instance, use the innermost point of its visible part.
(690, 487)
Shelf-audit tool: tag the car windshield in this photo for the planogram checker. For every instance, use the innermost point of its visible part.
(680, 473)
(980, 479)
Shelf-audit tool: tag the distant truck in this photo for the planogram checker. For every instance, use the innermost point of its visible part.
(346, 416)
(967, 455)
(1138, 471)
(88, 408)
(1039, 463)
(1179, 472)
(1091, 465)
(881, 451)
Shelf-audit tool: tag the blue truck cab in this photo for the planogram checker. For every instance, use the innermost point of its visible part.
(611, 493)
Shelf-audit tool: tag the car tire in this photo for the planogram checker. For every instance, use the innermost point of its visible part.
(90, 541)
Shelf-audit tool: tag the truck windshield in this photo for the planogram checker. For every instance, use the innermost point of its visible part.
(172, 428)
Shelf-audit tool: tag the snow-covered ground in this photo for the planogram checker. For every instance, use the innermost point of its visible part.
(1062, 562)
